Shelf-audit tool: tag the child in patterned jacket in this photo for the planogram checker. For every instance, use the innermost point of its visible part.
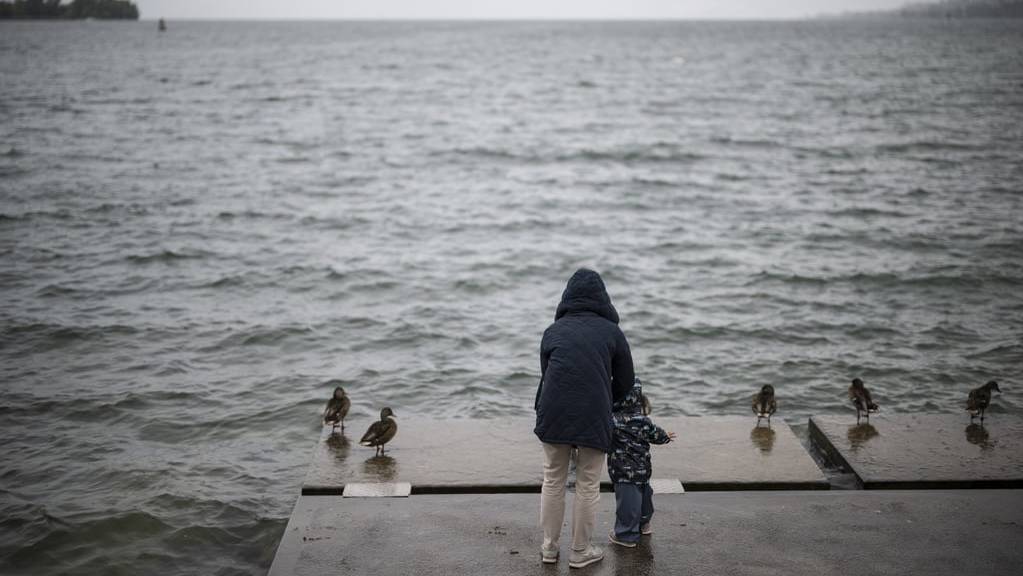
(628, 464)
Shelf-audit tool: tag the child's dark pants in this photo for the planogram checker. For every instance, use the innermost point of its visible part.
(634, 506)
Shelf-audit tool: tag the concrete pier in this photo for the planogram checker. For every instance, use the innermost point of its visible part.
(452, 456)
(450, 497)
(849, 533)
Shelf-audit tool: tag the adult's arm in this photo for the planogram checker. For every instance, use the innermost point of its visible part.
(623, 376)
(545, 357)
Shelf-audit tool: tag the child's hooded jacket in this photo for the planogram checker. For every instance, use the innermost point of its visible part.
(629, 458)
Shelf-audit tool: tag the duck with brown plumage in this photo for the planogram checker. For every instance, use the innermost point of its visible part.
(381, 432)
(980, 399)
(861, 399)
(764, 404)
(337, 408)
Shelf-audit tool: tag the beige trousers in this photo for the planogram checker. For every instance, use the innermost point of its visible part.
(589, 464)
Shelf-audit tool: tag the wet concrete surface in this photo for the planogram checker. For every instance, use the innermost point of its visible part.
(925, 450)
(445, 456)
(929, 533)
(731, 452)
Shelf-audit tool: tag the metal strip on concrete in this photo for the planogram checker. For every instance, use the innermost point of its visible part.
(666, 486)
(484, 456)
(853, 533)
(925, 451)
(377, 490)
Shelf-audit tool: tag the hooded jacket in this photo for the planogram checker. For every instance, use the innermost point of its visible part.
(585, 365)
(634, 432)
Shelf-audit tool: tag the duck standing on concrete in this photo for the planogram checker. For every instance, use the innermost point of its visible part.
(381, 432)
(860, 397)
(764, 404)
(980, 399)
(337, 408)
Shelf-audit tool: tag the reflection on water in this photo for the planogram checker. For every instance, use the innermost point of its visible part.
(860, 434)
(977, 435)
(381, 468)
(338, 443)
(763, 438)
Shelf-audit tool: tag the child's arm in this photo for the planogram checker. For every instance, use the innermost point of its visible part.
(654, 434)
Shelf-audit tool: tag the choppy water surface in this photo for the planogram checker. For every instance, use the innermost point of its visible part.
(199, 228)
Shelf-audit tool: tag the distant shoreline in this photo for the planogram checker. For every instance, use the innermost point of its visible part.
(943, 10)
(74, 10)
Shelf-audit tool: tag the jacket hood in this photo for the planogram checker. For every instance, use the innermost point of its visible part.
(632, 403)
(585, 292)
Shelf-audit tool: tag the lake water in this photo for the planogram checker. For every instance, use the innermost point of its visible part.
(199, 228)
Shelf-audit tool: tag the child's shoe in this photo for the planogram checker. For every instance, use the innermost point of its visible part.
(549, 555)
(614, 540)
(586, 557)
(646, 529)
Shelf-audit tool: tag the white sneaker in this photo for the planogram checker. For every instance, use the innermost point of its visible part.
(549, 555)
(646, 529)
(586, 557)
(614, 540)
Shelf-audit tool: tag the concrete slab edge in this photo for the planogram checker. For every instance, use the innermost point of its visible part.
(827, 451)
(604, 487)
(290, 546)
(942, 484)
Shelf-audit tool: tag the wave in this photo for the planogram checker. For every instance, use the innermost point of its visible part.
(888, 279)
(1010, 354)
(84, 534)
(57, 291)
(232, 281)
(653, 153)
(746, 142)
(864, 212)
(788, 335)
(252, 215)
(945, 145)
(108, 412)
(167, 256)
(797, 279)
(40, 336)
(133, 209)
(261, 336)
(59, 214)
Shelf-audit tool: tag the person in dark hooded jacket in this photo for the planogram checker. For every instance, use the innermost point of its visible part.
(585, 366)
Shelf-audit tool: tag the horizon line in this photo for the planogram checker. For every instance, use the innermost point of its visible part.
(478, 19)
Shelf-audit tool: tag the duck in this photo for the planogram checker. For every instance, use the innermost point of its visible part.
(337, 408)
(381, 432)
(764, 404)
(860, 397)
(980, 399)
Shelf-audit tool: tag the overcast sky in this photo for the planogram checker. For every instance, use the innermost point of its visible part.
(485, 9)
